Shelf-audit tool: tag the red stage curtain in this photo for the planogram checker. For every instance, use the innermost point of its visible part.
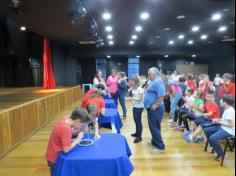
(48, 74)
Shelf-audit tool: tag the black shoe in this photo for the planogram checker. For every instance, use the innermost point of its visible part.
(137, 140)
(134, 135)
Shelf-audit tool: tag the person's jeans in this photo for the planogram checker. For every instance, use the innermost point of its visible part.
(154, 122)
(115, 98)
(137, 113)
(52, 167)
(214, 134)
(122, 103)
(174, 102)
(188, 116)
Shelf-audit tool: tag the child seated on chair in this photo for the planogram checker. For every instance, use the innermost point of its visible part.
(224, 128)
(60, 139)
(212, 112)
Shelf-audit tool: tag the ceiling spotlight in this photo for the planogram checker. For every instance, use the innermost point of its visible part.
(204, 37)
(195, 28)
(190, 42)
(138, 28)
(171, 42)
(108, 57)
(158, 37)
(216, 17)
(110, 37)
(166, 56)
(194, 55)
(23, 28)
(81, 12)
(167, 29)
(222, 29)
(106, 16)
(180, 17)
(108, 28)
(111, 43)
(138, 56)
(134, 37)
(131, 42)
(181, 36)
(144, 16)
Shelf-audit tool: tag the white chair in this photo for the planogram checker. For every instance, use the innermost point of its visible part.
(86, 85)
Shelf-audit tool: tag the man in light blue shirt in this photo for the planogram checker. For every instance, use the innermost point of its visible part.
(153, 102)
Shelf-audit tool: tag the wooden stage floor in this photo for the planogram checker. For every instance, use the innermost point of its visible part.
(180, 159)
(11, 97)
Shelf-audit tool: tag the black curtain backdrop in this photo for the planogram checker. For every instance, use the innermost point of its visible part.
(88, 70)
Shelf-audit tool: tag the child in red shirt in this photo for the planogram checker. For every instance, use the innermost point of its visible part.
(60, 139)
(212, 112)
(229, 84)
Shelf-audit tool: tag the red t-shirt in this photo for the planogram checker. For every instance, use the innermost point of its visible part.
(207, 88)
(212, 107)
(86, 97)
(192, 85)
(59, 139)
(231, 89)
(99, 102)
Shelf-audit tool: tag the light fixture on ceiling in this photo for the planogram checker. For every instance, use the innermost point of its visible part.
(158, 37)
(144, 16)
(138, 28)
(111, 42)
(222, 29)
(23, 28)
(216, 17)
(180, 17)
(80, 12)
(108, 56)
(204, 37)
(110, 37)
(181, 37)
(134, 37)
(166, 56)
(194, 55)
(138, 56)
(171, 42)
(190, 42)
(108, 29)
(167, 29)
(195, 28)
(106, 16)
(131, 42)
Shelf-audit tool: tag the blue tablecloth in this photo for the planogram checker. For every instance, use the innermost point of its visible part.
(110, 103)
(111, 116)
(109, 157)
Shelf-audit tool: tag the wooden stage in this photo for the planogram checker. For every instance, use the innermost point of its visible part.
(180, 159)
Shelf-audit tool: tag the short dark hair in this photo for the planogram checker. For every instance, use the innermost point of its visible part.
(100, 86)
(80, 114)
(182, 79)
(228, 99)
(211, 92)
(190, 90)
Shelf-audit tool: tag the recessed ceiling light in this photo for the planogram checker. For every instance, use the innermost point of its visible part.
(131, 42)
(226, 10)
(111, 42)
(225, 37)
(195, 28)
(108, 28)
(204, 37)
(171, 42)
(22, 28)
(138, 56)
(167, 29)
(144, 16)
(194, 55)
(190, 42)
(108, 57)
(106, 16)
(134, 37)
(181, 36)
(102, 43)
(222, 29)
(110, 37)
(138, 28)
(166, 56)
(216, 17)
(180, 17)
(158, 37)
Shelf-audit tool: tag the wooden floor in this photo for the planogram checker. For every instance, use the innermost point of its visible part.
(180, 159)
(16, 96)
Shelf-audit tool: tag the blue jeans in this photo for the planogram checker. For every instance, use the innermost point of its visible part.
(52, 167)
(122, 103)
(137, 113)
(115, 98)
(214, 134)
(174, 102)
(154, 122)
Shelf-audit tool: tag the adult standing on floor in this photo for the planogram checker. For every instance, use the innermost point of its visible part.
(112, 84)
(153, 102)
(98, 79)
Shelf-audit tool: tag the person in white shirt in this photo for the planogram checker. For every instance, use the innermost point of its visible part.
(217, 81)
(99, 79)
(223, 128)
(138, 107)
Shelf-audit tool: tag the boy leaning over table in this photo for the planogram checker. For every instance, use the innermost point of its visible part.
(60, 139)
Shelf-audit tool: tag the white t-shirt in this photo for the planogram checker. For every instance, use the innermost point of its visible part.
(96, 82)
(217, 81)
(190, 101)
(135, 93)
(229, 114)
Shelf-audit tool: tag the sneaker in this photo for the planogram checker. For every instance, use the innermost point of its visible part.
(188, 132)
(199, 139)
(137, 140)
(157, 151)
(134, 135)
(188, 139)
(218, 158)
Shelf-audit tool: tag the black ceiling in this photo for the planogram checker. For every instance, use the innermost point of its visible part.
(50, 18)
